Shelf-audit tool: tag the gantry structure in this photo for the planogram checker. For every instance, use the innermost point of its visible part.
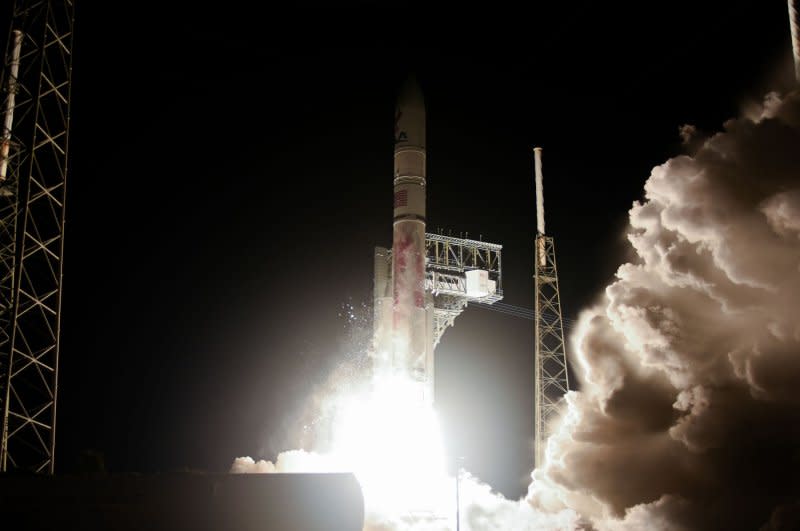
(457, 271)
(36, 81)
(551, 379)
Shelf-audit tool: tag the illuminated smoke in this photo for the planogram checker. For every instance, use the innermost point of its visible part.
(688, 416)
(689, 411)
(374, 424)
(481, 509)
(393, 446)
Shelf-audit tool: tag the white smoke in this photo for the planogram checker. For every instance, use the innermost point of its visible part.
(372, 423)
(294, 461)
(688, 412)
(688, 416)
(480, 508)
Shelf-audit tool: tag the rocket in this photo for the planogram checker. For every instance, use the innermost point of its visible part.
(403, 311)
(409, 316)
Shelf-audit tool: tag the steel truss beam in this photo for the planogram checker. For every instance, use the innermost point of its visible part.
(32, 229)
(551, 380)
(447, 259)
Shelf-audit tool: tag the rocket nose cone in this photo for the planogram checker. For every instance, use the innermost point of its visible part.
(409, 127)
(411, 94)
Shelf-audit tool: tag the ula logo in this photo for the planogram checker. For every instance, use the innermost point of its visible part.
(399, 136)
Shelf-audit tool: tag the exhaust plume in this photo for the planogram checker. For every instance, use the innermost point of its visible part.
(365, 421)
(688, 416)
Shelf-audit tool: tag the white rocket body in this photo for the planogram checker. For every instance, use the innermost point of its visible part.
(403, 311)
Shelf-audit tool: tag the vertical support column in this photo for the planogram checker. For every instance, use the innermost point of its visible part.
(537, 154)
(32, 234)
(551, 380)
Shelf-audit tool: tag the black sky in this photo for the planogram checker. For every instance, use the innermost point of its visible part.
(231, 174)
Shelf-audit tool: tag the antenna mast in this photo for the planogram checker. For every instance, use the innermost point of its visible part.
(551, 380)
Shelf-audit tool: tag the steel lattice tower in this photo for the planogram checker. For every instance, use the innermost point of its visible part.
(551, 380)
(33, 170)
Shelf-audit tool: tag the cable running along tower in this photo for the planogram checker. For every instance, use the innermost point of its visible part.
(551, 380)
(33, 170)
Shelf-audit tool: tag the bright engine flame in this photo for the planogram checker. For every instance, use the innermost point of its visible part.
(388, 436)
(390, 439)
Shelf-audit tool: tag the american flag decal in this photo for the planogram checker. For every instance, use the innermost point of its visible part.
(401, 198)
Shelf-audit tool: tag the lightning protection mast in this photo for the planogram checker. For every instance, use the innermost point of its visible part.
(551, 380)
(33, 170)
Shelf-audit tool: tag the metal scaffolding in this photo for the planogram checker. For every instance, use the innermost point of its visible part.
(447, 263)
(33, 170)
(447, 260)
(551, 379)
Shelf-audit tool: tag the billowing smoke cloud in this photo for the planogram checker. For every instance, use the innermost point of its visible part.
(359, 421)
(481, 509)
(688, 416)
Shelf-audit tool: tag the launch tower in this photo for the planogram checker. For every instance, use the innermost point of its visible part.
(33, 170)
(551, 379)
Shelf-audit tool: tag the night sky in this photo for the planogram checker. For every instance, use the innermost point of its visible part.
(231, 174)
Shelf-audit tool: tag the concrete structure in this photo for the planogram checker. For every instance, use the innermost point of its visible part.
(201, 502)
